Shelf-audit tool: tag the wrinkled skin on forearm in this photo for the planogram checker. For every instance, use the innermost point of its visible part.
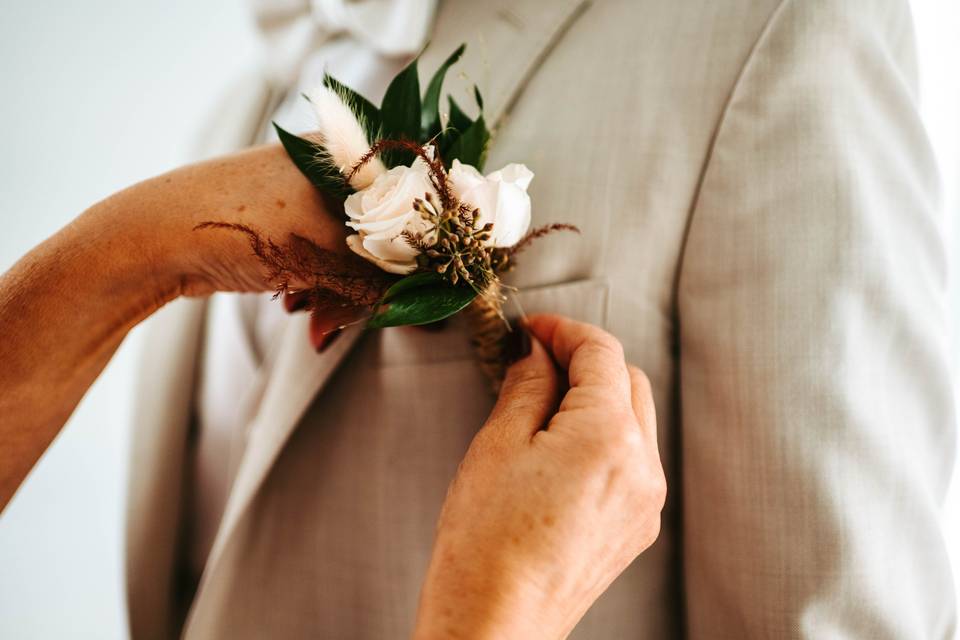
(66, 306)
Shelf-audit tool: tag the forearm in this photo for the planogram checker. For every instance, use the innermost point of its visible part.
(64, 309)
(66, 306)
(471, 602)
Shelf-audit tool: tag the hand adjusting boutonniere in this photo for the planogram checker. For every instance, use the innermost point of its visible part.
(409, 179)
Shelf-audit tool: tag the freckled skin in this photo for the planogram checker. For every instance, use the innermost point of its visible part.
(68, 303)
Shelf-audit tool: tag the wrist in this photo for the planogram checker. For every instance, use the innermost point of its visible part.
(479, 602)
(151, 230)
(258, 191)
(137, 256)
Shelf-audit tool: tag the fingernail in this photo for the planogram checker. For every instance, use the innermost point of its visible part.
(327, 339)
(516, 345)
(296, 301)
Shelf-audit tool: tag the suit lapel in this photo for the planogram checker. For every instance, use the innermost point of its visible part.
(158, 442)
(297, 374)
(506, 42)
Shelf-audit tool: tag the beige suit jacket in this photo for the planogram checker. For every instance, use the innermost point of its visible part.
(758, 210)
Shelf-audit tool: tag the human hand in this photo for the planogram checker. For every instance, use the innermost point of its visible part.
(256, 199)
(551, 503)
(67, 304)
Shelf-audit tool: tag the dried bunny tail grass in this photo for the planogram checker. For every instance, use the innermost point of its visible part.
(488, 333)
(323, 272)
(344, 138)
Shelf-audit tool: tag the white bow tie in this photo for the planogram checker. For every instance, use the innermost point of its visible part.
(292, 28)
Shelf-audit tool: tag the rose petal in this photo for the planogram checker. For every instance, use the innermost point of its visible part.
(513, 173)
(513, 215)
(463, 178)
(355, 243)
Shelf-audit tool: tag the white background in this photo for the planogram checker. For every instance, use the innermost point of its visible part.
(99, 94)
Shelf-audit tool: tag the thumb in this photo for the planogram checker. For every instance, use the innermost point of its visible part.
(529, 394)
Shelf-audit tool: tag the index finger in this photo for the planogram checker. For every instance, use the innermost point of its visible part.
(592, 357)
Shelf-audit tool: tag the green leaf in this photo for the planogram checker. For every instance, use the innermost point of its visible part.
(421, 304)
(457, 124)
(471, 147)
(314, 163)
(430, 115)
(412, 282)
(458, 119)
(400, 114)
(365, 111)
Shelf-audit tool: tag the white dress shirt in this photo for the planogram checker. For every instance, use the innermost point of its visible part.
(364, 45)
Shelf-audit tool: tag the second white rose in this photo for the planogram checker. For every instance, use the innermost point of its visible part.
(501, 197)
(382, 212)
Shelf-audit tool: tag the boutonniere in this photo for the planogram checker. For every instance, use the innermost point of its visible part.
(408, 178)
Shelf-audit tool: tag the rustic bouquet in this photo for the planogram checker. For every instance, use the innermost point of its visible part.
(408, 179)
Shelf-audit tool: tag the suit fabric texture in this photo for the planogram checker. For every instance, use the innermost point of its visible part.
(757, 201)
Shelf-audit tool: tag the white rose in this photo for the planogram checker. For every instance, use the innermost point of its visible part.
(383, 211)
(501, 197)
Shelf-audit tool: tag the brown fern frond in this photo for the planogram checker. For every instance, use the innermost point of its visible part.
(539, 232)
(347, 276)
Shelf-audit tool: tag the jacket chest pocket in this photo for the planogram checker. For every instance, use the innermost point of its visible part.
(584, 300)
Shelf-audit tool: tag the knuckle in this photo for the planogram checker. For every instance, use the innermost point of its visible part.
(649, 498)
(648, 485)
(606, 342)
(656, 489)
(626, 440)
(640, 380)
(615, 448)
